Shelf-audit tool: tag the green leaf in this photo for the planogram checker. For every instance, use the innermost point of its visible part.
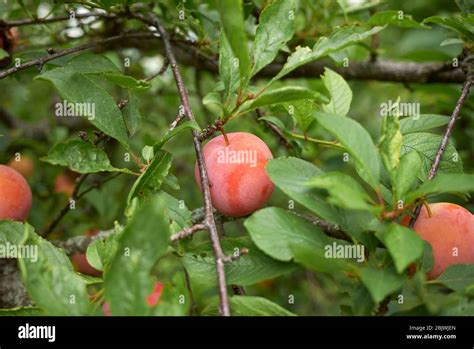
(357, 141)
(340, 92)
(150, 181)
(170, 303)
(407, 174)
(284, 236)
(344, 191)
(426, 145)
(422, 122)
(276, 27)
(273, 230)
(100, 252)
(82, 90)
(3, 54)
(427, 261)
(391, 144)
(397, 18)
(127, 81)
(90, 63)
(457, 277)
(247, 270)
(460, 26)
(176, 210)
(302, 110)
(228, 67)
(281, 95)
(80, 156)
(362, 303)
(443, 183)
(147, 153)
(451, 41)
(304, 255)
(187, 125)
(12, 232)
(250, 306)
(381, 282)
(144, 240)
(232, 21)
(338, 40)
(131, 114)
(51, 281)
(403, 244)
(290, 175)
(274, 120)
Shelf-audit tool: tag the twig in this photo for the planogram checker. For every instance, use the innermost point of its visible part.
(79, 181)
(176, 122)
(165, 66)
(276, 130)
(187, 280)
(97, 185)
(329, 229)
(44, 59)
(35, 21)
(188, 232)
(209, 222)
(211, 129)
(444, 142)
(79, 244)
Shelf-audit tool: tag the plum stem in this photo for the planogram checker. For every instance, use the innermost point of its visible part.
(225, 136)
(444, 141)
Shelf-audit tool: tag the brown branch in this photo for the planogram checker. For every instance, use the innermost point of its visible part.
(36, 21)
(211, 129)
(79, 244)
(165, 66)
(209, 221)
(276, 130)
(66, 208)
(188, 231)
(44, 59)
(380, 70)
(444, 141)
(329, 229)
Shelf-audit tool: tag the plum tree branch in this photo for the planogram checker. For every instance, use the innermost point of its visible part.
(188, 231)
(276, 130)
(209, 221)
(79, 244)
(444, 141)
(37, 21)
(46, 58)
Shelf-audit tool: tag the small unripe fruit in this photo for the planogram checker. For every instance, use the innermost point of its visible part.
(450, 232)
(239, 184)
(80, 263)
(15, 195)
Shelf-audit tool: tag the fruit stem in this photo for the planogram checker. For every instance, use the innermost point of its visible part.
(225, 136)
